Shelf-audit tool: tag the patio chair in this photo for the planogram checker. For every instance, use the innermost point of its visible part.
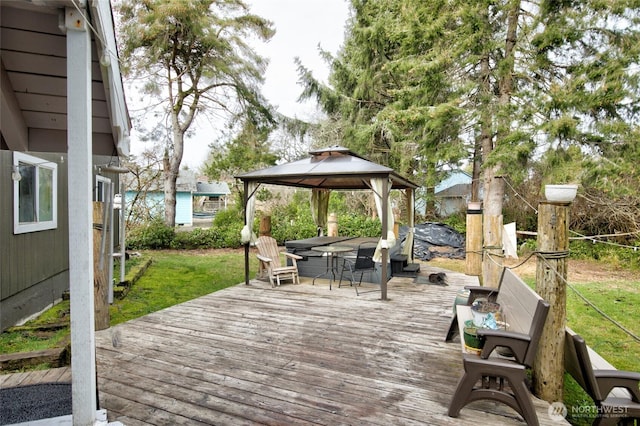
(363, 262)
(270, 262)
(603, 386)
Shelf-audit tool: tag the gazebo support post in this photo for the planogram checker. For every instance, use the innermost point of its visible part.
(385, 231)
(246, 245)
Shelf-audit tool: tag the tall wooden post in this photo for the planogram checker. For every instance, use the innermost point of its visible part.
(100, 268)
(551, 275)
(332, 225)
(493, 255)
(473, 264)
(265, 226)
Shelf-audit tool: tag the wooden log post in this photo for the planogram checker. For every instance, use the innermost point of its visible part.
(265, 226)
(473, 263)
(100, 271)
(493, 255)
(332, 225)
(551, 275)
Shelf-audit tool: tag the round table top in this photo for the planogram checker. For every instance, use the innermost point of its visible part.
(332, 249)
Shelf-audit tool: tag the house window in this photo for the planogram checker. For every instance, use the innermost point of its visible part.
(103, 189)
(35, 194)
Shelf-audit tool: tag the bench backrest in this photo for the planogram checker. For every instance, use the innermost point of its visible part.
(578, 363)
(524, 310)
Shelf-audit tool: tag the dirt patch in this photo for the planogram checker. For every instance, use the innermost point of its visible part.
(581, 271)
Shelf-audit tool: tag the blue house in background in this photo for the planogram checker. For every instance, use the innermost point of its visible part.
(207, 197)
(154, 198)
(451, 194)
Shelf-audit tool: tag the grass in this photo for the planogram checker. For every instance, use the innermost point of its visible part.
(178, 276)
(27, 341)
(620, 301)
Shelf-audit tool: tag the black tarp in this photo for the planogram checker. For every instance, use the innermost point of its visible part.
(432, 239)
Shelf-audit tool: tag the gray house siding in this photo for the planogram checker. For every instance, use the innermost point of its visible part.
(34, 266)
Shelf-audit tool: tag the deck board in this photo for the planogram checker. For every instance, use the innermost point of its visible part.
(296, 354)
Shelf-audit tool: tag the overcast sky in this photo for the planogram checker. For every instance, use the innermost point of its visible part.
(301, 25)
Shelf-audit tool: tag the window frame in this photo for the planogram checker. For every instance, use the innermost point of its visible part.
(39, 164)
(103, 186)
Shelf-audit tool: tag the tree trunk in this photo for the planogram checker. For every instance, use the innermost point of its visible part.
(494, 184)
(170, 178)
(171, 161)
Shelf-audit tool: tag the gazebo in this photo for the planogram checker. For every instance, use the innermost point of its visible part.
(334, 168)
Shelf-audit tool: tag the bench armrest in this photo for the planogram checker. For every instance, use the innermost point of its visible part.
(610, 379)
(477, 291)
(517, 342)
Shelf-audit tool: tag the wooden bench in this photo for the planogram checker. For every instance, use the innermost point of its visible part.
(489, 375)
(614, 392)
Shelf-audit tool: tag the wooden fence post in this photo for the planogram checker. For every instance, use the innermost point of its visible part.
(551, 275)
(332, 225)
(265, 226)
(493, 255)
(100, 275)
(473, 263)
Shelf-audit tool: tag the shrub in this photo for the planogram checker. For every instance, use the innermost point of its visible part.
(152, 236)
(358, 226)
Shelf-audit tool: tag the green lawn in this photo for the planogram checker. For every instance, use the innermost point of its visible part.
(177, 276)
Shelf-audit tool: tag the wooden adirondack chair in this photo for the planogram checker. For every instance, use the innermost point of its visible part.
(270, 262)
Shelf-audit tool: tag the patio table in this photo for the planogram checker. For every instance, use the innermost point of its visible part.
(332, 252)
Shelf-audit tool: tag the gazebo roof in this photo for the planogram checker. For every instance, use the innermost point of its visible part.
(334, 167)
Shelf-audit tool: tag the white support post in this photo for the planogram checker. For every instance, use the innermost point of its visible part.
(122, 211)
(79, 143)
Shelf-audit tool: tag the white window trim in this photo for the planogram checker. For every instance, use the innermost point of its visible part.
(104, 180)
(22, 228)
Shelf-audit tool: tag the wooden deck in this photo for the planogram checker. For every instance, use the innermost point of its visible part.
(297, 354)
(52, 375)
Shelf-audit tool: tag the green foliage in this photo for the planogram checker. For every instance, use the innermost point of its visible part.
(456, 221)
(225, 233)
(614, 254)
(249, 150)
(154, 235)
(358, 226)
(293, 221)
